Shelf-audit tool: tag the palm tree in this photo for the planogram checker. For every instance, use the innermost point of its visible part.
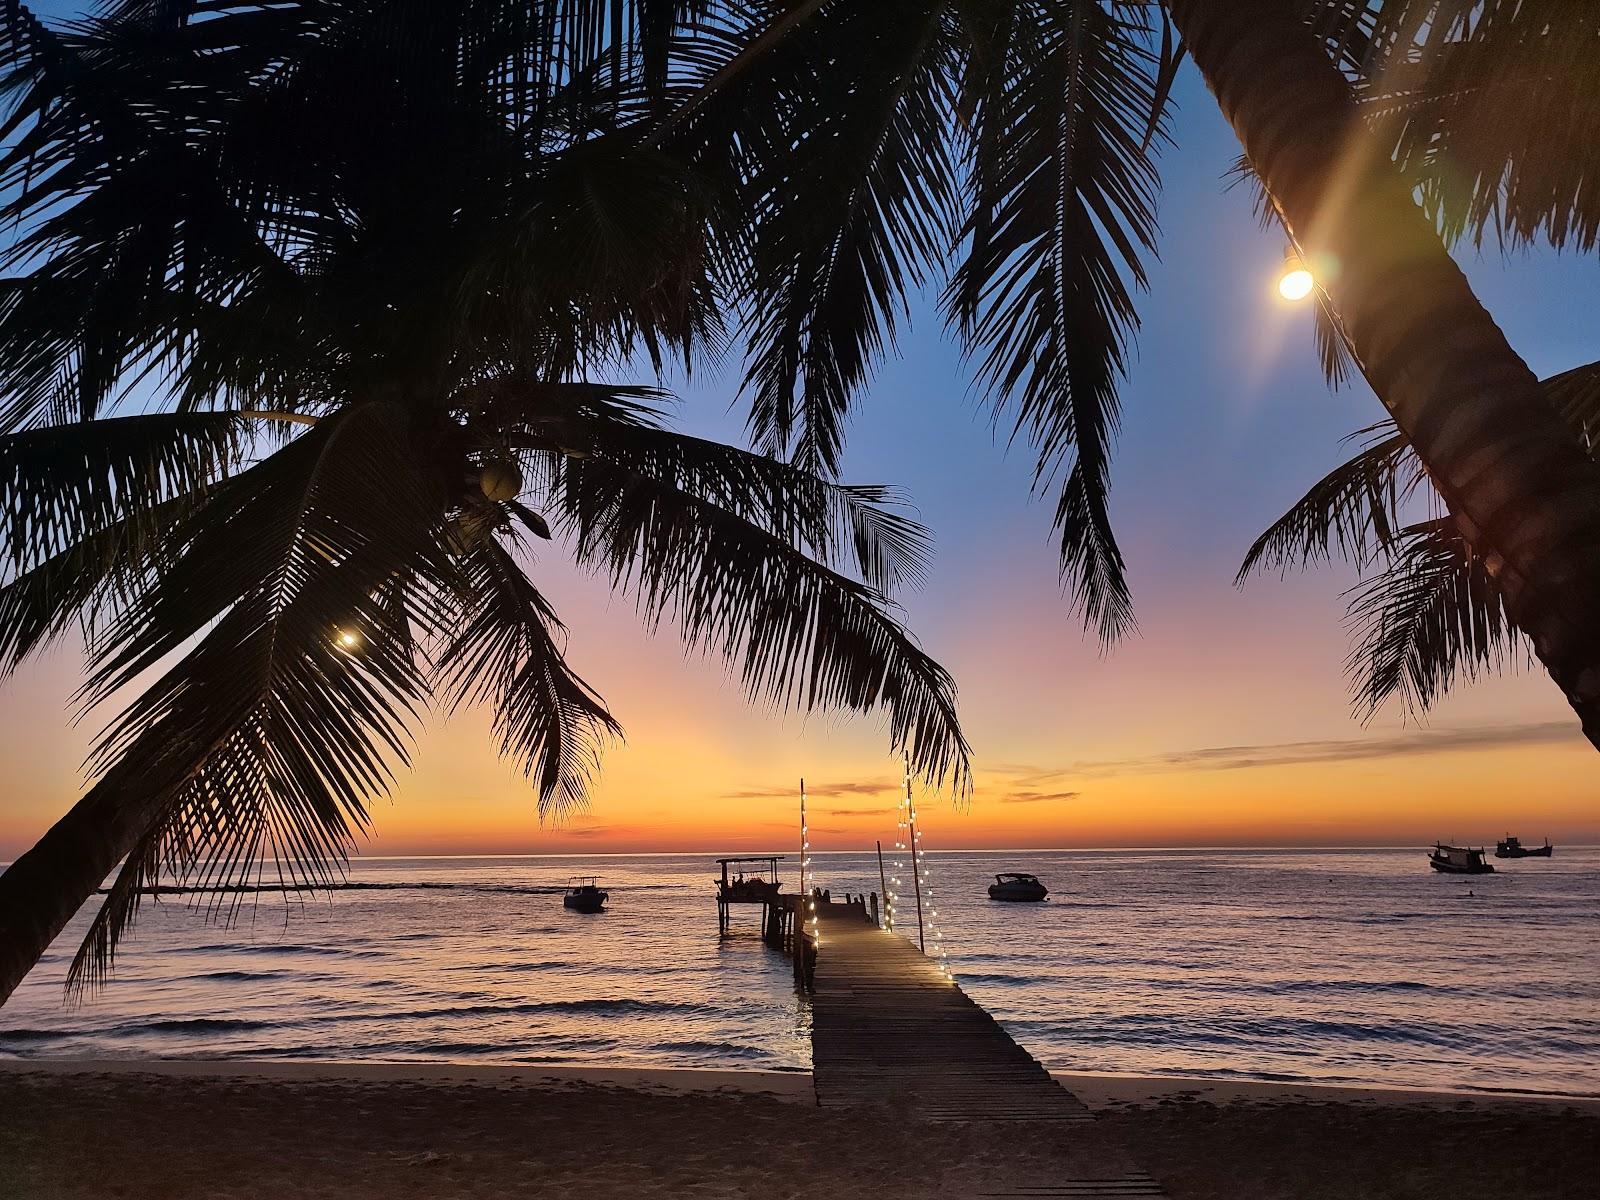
(298, 349)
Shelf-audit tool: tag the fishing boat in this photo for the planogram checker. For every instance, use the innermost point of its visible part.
(1017, 888)
(1510, 847)
(1459, 860)
(584, 895)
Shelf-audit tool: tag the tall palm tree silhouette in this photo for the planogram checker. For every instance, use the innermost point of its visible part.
(298, 350)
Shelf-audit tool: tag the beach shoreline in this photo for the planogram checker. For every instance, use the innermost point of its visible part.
(1099, 1090)
(221, 1129)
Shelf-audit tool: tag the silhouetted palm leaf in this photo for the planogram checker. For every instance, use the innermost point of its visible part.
(80, 585)
(796, 631)
(550, 722)
(59, 482)
(295, 683)
(1433, 615)
(830, 521)
(1353, 510)
(1063, 208)
(853, 203)
(1493, 108)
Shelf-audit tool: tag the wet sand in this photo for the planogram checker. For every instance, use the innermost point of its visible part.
(240, 1131)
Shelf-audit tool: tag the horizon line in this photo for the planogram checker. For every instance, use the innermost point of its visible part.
(943, 850)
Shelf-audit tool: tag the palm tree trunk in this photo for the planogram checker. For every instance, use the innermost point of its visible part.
(1526, 496)
(42, 890)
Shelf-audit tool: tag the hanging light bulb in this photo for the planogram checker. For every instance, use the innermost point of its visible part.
(1295, 281)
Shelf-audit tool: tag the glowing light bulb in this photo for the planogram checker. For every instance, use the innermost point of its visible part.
(1296, 281)
(349, 639)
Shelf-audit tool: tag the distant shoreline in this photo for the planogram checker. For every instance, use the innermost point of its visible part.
(1100, 1091)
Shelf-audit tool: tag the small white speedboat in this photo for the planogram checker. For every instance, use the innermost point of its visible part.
(1017, 887)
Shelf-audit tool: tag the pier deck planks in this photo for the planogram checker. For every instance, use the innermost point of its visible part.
(888, 1029)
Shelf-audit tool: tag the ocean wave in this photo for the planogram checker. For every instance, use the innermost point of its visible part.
(200, 1025)
(619, 1006)
(1351, 985)
(720, 1050)
(979, 977)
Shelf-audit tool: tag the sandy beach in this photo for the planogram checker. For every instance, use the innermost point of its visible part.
(233, 1130)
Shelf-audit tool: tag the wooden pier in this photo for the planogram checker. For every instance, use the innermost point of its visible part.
(892, 1034)
(889, 1030)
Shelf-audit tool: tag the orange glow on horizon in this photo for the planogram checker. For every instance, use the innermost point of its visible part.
(1071, 749)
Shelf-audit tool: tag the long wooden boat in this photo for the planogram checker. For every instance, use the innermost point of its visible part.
(1459, 860)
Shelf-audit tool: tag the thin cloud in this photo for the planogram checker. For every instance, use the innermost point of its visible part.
(1026, 777)
(1037, 797)
(812, 789)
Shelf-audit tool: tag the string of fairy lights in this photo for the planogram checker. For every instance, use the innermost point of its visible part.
(908, 842)
(807, 891)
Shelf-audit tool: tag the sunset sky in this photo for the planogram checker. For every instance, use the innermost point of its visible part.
(1226, 720)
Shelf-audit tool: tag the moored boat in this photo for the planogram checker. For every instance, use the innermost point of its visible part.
(1511, 847)
(1459, 860)
(1017, 887)
(584, 895)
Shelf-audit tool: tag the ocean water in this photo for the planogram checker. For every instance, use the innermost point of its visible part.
(1347, 966)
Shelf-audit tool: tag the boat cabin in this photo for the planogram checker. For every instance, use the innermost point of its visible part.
(584, 894)
(749, 880)
(1459, 860)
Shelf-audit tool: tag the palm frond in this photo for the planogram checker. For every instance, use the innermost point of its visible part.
(604, 251)
(1337, 360)
(1064, 199)
(1432, 616)
(798, 634)
(1576, 396)
(281, 719)
(833, 522)
(549, 721)
(84, 585)
(1494, 109)
(1353, 510)
(61, 482)
(849, 207)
